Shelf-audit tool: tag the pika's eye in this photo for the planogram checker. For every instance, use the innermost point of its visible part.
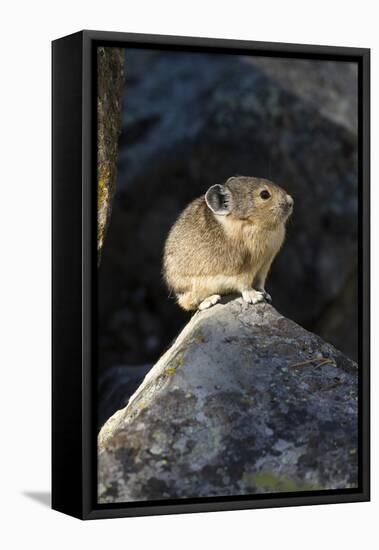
(265, 194)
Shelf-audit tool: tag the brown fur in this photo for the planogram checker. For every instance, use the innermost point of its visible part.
(210, 254)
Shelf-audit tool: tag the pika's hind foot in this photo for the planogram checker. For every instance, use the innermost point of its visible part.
(209, 302)
(188, 301)
(253, 296)
(266, 295)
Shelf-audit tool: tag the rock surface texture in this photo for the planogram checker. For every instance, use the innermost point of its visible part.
(245, 401)
(110, 81)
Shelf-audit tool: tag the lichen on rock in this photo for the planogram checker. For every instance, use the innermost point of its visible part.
(245, 401)
(110, 78)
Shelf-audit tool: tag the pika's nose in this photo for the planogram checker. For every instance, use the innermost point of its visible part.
(289, 200)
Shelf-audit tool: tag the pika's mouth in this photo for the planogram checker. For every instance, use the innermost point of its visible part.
(287, 208)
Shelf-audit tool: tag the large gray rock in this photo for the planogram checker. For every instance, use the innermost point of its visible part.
(244, 401)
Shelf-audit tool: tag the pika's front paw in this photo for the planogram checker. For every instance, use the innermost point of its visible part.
(253, 296)
(209, 302)
(266, 295)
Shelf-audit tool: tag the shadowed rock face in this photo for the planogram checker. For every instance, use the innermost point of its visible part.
(192, 120)
(244, 402)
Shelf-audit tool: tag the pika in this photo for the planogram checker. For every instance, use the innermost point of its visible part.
(226, 241)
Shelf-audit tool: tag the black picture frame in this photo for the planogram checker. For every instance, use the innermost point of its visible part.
(74, 274)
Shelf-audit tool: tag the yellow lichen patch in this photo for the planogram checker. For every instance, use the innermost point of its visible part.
(102, 203)
(316, 362)
(102, 191)
(102, 198)
(103, 178)
(178, 361)
(247, 401)
(268, 481)
(197, 338)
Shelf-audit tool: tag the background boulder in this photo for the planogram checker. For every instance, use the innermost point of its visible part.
(245, 401)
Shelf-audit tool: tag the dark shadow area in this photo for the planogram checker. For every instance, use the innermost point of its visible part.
(42, 497)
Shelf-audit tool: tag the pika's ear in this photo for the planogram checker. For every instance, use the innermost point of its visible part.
(219, 200)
